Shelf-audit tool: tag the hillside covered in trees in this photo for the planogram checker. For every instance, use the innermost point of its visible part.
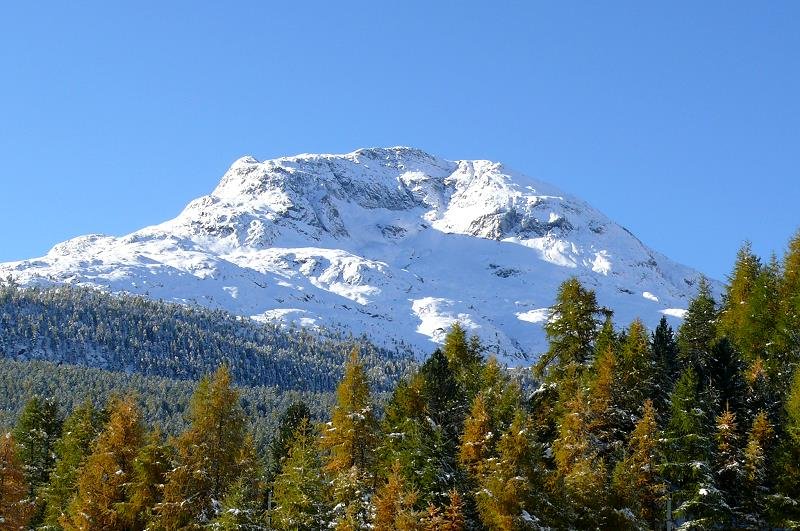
(126, 333)
(626, 429)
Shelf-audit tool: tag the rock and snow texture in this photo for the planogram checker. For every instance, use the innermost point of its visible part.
(393, 243)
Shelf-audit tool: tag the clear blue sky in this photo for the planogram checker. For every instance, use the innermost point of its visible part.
(680, 120)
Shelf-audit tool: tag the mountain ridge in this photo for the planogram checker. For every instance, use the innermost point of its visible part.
(392, 242)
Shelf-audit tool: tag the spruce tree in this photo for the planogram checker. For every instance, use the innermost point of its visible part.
(636, 381)
(71, 449)
(241, 508)
(699, 331)
(288, 423)
(206, 462)
(695, 497)
(36, 432)
(15, 508)
(665, 353)
(104, 478)
(301, 487)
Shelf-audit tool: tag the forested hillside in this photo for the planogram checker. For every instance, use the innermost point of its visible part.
(627, 429)
(81, 326)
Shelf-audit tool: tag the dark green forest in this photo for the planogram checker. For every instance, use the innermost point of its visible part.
(623, 428)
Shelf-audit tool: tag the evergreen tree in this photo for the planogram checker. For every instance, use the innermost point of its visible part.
(350, 439)
(665, 354)
(756, 486)
(79, 431)
(15, 509)
(571, 332)
(288, 423)
(207, 455)
(36, 431)
(300, 486)
(636, 481)
(695, 497)
(241, 507)
(698, 331)
(636, 381)
(728, 465)
(464, 357)
(785, 503)
(103, 480)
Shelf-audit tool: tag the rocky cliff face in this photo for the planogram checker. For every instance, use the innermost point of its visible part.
(393, 243)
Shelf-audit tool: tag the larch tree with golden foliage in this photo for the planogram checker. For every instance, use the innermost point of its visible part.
(15, 510)
(350, 439)
(103, 480)
(207, 455)
(394, 505)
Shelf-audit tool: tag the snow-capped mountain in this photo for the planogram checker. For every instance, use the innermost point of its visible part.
(394, 243)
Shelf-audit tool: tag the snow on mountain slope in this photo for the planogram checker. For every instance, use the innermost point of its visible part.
(394, 243)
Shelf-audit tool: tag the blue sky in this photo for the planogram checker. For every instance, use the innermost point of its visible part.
(679, 120)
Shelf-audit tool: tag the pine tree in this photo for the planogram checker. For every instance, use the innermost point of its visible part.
(665, 353)
(394, 504)
(15, 509)
(785, 503)
(206, 464)
(699, 331)
(464, 357)
(241, 506)
(36, 431)
(636, 381)
(71, 450)
(103, 480)
(288, 423)
(636, 480)
(571, 332)
(350, 439)
(300, 487)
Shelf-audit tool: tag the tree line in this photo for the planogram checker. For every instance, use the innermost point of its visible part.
(626, 429)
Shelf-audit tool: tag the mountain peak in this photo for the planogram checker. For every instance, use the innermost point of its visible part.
(391, 242)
